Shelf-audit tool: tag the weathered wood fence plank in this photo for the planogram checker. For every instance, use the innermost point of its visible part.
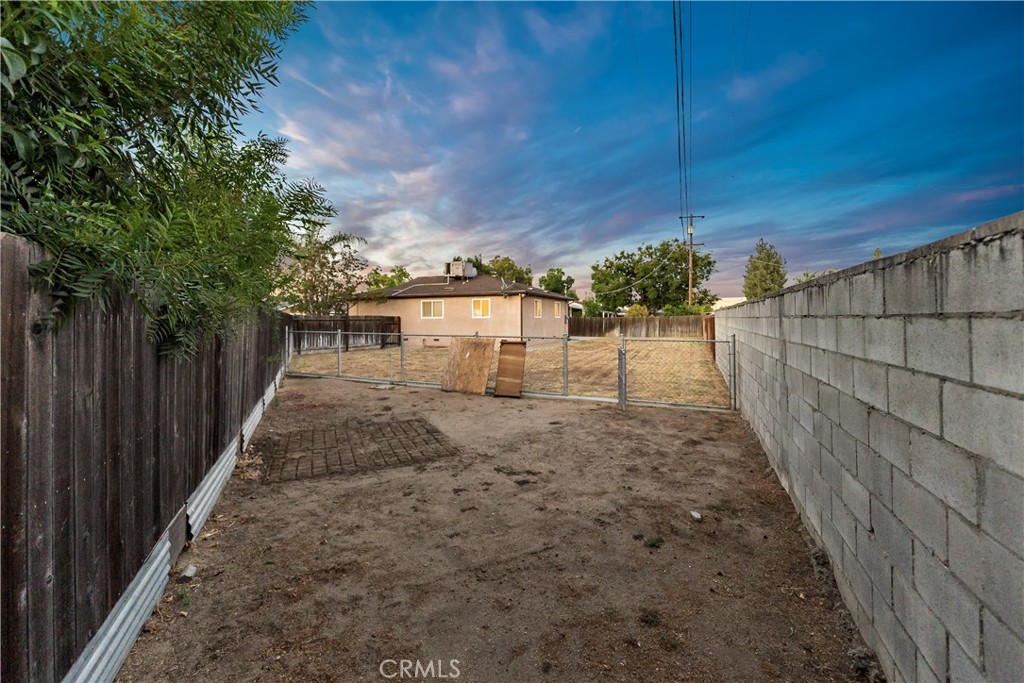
(682, 327)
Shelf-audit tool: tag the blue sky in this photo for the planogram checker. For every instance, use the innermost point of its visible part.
(547, 131)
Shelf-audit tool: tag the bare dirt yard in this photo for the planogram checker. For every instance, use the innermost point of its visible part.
(530, 540)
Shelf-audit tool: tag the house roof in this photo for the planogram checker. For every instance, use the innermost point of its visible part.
(441, 286)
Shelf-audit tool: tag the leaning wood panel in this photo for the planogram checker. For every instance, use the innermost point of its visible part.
(14, 286)
(469, 364)
(511, 366)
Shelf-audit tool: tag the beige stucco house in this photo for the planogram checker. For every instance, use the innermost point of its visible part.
(482, 304)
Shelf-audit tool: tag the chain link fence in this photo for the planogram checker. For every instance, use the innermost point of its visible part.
(624, 370)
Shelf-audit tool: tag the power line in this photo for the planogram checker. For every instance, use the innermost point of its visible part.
(689, 159)
(682, 105)
(679, 115)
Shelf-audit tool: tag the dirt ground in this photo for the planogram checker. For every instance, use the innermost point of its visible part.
(530, 540)
(676, 371)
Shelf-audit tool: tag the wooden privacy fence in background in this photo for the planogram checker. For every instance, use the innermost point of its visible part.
(680, 327)
(357, 330)
(103, 442)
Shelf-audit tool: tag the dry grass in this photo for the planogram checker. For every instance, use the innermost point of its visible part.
(674, 372)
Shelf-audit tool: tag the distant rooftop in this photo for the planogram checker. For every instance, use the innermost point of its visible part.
(439, 286)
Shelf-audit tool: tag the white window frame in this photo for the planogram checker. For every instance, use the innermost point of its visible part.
(472, 309)
(538, 308)
(558, 309)
(432, 301)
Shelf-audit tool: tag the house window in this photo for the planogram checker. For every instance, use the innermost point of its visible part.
(432, 309)
(558, 310)
(538, 308)
(481, 308)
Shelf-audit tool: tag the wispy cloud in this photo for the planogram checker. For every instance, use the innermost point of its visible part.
(569, 30)
(790, 68)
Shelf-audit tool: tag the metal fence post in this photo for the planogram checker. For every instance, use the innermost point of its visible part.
(401, 359)
(732, 370)
(622, 378)
(565, 365)
(287, 346)
(338, 335)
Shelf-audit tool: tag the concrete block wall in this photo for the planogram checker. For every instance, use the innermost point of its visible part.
(889, 398)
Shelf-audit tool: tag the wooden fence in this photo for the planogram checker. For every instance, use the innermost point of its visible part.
(102, 443)
(357, 331)
(684, 326)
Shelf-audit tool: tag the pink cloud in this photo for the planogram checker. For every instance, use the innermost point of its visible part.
(985, 194)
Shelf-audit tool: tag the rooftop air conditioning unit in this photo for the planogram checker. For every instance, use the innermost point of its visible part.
(459, 269)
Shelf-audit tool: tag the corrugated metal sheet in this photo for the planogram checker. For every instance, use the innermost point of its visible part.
(250, 424)
(107, 650)
(268, 395)
(200, 503)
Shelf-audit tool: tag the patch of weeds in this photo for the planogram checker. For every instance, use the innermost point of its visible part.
(638, 536)
(655, 542)
(183, 595)
(546, 667)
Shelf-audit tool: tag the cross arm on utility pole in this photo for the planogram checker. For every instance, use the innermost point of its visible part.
(689, 269)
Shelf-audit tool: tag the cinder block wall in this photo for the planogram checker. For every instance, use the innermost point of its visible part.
(890, 400)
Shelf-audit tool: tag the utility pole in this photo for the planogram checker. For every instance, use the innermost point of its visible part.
(689, 268)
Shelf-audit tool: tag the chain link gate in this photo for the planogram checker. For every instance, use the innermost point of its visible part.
(623, 370)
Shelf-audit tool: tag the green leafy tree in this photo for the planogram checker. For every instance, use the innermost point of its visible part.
(324, 275)
(637, 311)
(766, 271)
(118, 156)
(809, 275)
(377, 279)
(591, 309)
(502, 266)
(555, 280)
(653, 275)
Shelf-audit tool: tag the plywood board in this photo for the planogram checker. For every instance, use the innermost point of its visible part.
(469, 364)
(511, 365)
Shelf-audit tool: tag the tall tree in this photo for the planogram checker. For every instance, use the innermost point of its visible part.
(653, 275)
(378, 279)
(119, 122)
(555, 280)
(324, 274)
(766, 271)
(502, 266)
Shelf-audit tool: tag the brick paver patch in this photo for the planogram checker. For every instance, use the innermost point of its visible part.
(351, 448)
